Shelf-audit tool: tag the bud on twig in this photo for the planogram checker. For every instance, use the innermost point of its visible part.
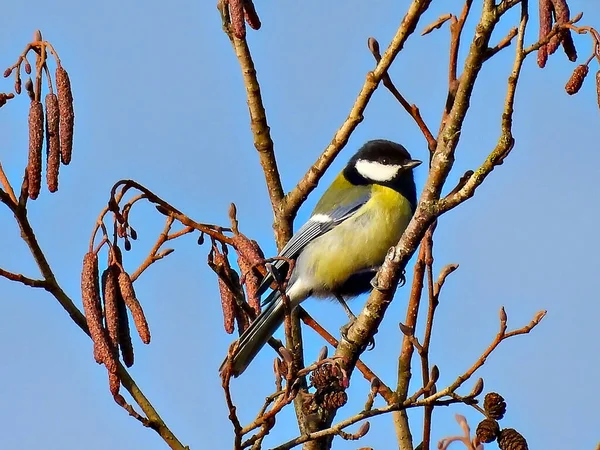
(66, 112)
(36, 138)
(139, 319)
(576, 80)
(52, 142)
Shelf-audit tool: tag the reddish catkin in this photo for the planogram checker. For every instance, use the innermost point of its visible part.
(252, 283)
(576, 80)
(236, 16)
(114, 383)
(36, 140)
(110, 293)
(598, 86)
(139, 319)
(545, 12)
(90, 294)
(563, 15)
(52, 142)
(228, 304)
(251, 16)
(66, 113)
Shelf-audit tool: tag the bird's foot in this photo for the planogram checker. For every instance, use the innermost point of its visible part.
(375, 282)
(344, 333)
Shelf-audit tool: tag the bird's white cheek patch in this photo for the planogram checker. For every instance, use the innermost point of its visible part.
(373, 170)
(321, 218)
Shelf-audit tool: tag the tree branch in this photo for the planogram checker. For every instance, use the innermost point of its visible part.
(294, 199)
(51, 285)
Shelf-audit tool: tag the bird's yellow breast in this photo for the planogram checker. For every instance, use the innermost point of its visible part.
(359, 243)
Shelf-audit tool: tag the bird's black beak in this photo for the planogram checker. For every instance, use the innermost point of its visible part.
(412, 164)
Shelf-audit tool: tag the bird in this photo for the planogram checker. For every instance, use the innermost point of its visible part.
(338, 251)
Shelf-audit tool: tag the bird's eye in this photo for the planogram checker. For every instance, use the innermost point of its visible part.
(384, 161)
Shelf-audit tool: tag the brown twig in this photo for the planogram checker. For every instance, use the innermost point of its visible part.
(260, 128)
(164, 237)
(412, 110)
(437, 24)
(504, 42)
(7, 186)
(23, 279)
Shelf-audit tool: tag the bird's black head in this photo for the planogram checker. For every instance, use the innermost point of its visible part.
(385, 163)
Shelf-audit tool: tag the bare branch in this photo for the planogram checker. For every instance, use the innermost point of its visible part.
(437, 24)
(23, 279)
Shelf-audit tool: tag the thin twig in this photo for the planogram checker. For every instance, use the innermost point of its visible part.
(412, 110)
(23, 279)
(7, 186)
(383, 389)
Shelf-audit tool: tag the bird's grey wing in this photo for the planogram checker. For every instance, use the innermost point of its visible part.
(317, 225)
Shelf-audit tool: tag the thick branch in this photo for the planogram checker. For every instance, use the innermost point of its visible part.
(262, 135)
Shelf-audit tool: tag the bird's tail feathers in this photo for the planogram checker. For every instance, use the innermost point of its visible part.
(257, 334)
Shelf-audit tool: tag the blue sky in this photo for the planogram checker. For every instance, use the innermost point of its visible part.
(159, 98)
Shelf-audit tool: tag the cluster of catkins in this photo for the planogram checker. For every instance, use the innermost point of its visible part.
(240, 12)
(557, 11)
(489, 430)
(59, 114)
(106, 315)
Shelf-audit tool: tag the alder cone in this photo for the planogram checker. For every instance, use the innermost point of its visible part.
(487, 430)
(52, 142)
(36, 140)
(494, 405)
(510, 439)
(66, 112)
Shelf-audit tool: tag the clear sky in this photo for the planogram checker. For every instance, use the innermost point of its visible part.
(159, 98)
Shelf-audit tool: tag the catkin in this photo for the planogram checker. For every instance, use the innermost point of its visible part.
(139, 319)
(67, 114)
(598, 86)
(90, 294)
(52, 142)
(576, 80)
(125, 343)
(218, 261)
(236, 15)
(36, 139)
(110, 293)
(252, 283)
(545, 13)
(251, 16)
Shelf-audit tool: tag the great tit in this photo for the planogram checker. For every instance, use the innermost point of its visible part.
(338, 251)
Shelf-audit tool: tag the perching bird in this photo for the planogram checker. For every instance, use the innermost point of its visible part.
(342, 245)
